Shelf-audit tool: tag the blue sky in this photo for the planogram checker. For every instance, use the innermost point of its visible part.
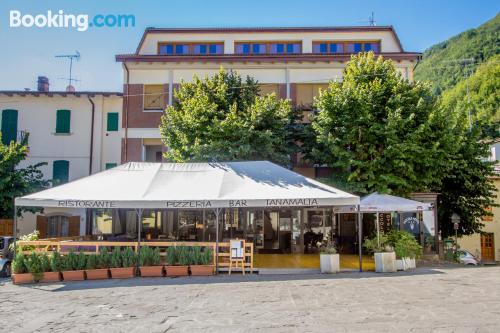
(29, 52)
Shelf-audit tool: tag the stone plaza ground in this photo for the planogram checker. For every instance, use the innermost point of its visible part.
(448, 299)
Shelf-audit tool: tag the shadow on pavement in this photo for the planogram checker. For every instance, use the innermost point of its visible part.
(222, 278)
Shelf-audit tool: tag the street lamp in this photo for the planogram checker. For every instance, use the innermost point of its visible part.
(455, 218)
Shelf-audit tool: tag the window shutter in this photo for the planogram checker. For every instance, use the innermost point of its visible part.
(112, 124)
(60, 171)
(63, 121)
(9, 126)
(41, 225)
(74, 226)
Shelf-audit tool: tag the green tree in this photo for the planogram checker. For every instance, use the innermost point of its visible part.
(380, 131)
(16, 181)
(479, 95)
(223, 118)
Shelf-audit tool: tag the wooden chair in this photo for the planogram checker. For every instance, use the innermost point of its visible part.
(237, 254)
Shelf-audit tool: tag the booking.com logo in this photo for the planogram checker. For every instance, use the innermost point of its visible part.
(81, 22)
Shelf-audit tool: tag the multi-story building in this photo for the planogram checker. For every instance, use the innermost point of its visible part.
(76, 133)
(295, 63)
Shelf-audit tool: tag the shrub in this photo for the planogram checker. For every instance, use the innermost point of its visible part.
(104, 258)
(155, 257)
(129, 258)
(82, 261)
(45, 263)
(149, 256)
(374, 244)
(206, 257)
(116, 258)
(184, 256)
(56, 264)
(34, 265)
(405, 245)
(19, 264)
(195, 255)
(70, 261)
(172, 255)
(92, 261)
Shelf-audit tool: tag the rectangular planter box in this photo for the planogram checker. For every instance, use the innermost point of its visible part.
(151, 271)
(73, 275)
(177, 270)
(22, 278)
(385, 262)
(202, 270)
(122, 273)
(97, 274)
(405, 264)
(51, 277)
(329, 263)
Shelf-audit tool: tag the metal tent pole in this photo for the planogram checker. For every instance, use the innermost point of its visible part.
(14, 232)
(139, 224)
(378, 230)
(217, 211)
(360, 239)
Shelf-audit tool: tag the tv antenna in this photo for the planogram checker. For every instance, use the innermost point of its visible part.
(371, 20)
(71, 57)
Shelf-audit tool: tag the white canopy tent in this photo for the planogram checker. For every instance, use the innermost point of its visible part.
(191, 186)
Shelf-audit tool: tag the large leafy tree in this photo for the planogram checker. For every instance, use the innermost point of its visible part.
(383, 133)
(16, 181)
(223, 118)
(380, 131)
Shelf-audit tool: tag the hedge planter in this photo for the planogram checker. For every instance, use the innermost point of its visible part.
(22, 278)
(78, 275)
(151, 271)
(405, 264)
(202, 270)
(122, 273)
(97, 274)
(329, 263)
(385, 262)
(177, 270)
(51, 277)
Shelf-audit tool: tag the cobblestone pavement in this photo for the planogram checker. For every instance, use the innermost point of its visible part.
(426, 300)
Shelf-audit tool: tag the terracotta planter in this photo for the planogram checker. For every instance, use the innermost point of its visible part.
(177, 270)
(151, 271)
(74, 275)
(97, 274)
(22, 278)
(51, 277)
(122, 273)
(202, 270)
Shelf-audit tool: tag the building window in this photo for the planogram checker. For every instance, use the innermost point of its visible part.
(57, 226)
(60, 171)
(345, 47)
(155, 97)
(112, 122)
(9, 126)
(268, 47)
(110, 165)
(188, 48)
(102, 221)
(63, 121)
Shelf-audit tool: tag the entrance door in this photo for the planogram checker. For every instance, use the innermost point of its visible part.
(487, 247)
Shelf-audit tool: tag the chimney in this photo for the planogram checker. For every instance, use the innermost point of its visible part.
(43, 84)
(70, 88)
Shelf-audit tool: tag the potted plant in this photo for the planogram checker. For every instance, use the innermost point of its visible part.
(149, 262)
(329, 259)
(123, 263)
(94, 270)
(56, 264)
(48, 274)
(34, 265)
(177, 261)
(385, 258)
(201, 261)
(74, 266)
(406, 248)
(20, 271)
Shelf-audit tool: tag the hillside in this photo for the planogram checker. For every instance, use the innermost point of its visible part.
(441, 64)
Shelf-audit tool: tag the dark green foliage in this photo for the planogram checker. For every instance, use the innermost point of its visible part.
(184, 256)
(56, 264)
(116, 258)
(405, 245)
(222, 118)
(82, 261)
(15, 181)
(129, 258)
(70, 261)
(206, 257)
(441, 63)
(45, 263)
(92, 261)
(104, 258)
(149, 256)
(172, 255)
(34, 266)
(19, 264)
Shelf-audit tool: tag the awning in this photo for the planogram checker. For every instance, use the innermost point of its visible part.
(191, 186)
(377, 202)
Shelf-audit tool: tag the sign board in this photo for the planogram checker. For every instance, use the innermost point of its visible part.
(455, 226)
(237, 250)
(385, 222)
